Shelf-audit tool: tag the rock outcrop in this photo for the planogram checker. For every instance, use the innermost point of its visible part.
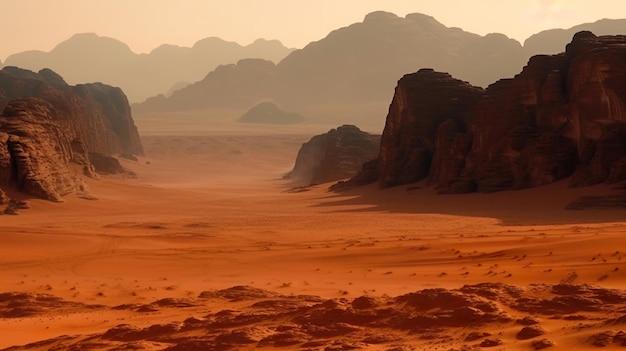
(49, 128)
(268, 113)
(428, 109)
(335, 155)
(562, 116)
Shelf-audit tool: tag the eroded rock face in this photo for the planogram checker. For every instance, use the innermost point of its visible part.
(562, 116)
(422, 102)
(48, 129)
(335, 155)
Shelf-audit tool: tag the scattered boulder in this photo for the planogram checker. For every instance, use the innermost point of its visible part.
(527, 321)
(542, 344)
(602, 339)
(108, 165)
(530, 332)
(491, 342)
(473, 336)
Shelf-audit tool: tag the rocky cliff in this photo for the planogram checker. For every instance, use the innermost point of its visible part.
(563, 116)
(335, 155)
(48, 129)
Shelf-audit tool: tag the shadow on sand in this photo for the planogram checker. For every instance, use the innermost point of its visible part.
(538, 206)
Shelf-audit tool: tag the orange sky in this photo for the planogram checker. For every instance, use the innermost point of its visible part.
(145, 24)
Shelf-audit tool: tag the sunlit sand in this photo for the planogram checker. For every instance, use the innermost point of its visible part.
(210, 212)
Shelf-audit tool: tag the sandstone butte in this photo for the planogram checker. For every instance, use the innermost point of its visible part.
(50, 131)
(563, 116)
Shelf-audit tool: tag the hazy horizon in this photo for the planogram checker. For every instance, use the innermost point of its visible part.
(146, 24)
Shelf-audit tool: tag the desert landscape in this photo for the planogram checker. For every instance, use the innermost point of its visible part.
(207, 248)
(397, 185)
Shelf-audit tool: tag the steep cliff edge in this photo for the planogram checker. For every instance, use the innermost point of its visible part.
(335, 155)
(48, 129)
(562, 116)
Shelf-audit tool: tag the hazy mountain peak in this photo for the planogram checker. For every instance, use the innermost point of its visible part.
(168, 48)
(551, 41)
(265, 43)
(212, 42)
(88, 42)
(424, 20)
(88, 57)
(380, 16)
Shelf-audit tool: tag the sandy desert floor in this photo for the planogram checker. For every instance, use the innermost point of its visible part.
(208, 250)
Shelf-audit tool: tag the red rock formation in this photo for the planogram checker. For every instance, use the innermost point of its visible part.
(335, 155)
(47, 126)
(562, 116)
(422, 101)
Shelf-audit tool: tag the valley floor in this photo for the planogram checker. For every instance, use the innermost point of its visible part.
(313, 269)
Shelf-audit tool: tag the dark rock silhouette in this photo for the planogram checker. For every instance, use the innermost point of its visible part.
(562, 116)
(335, 155)
(47, 126)
(87, 57)
(268, 113)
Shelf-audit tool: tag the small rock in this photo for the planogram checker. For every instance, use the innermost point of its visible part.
(472, 336)
(603, 339)
(527, 321)
(490, 342)
(530, 332)
(542, 344)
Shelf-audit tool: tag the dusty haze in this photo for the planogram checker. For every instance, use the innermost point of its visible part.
(200, 242)
(146, 24)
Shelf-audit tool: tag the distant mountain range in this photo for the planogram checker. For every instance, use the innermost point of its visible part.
(88, 57)
(552, 41)
(358, 66)
(347, 77)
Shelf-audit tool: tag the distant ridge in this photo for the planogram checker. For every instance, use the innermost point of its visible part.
(552, 41)
(88, 57)
(357, 65)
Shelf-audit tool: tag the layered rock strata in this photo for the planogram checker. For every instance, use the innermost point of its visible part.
(48, 128)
